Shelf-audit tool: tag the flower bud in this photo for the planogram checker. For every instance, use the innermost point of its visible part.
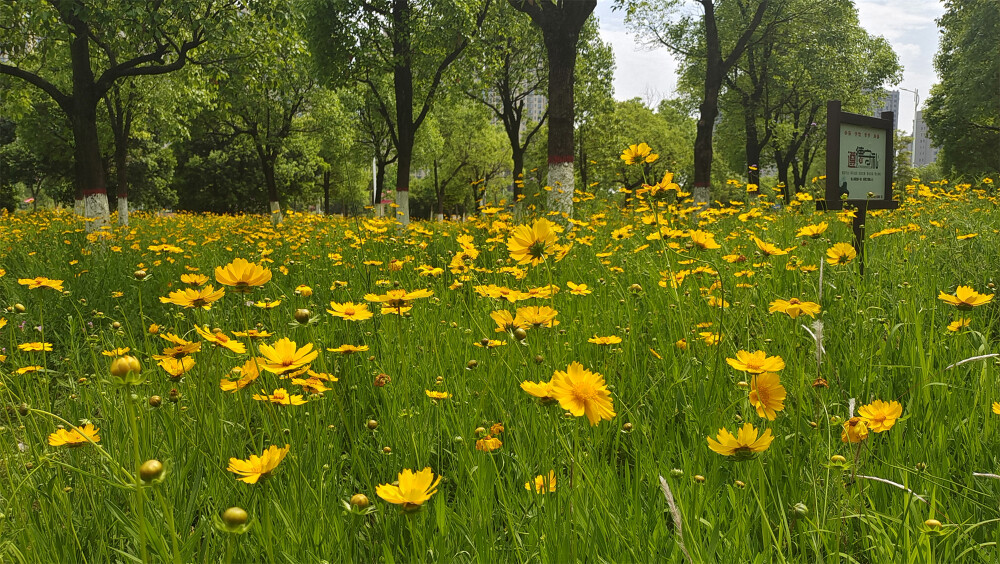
(235, 517)
(139, 274)
(932, 524)
(302, 315)
(359, 500)
(472, 364)
(151, 470)
(155, 401)
(19, 308)
(520, 334)
(372, 424)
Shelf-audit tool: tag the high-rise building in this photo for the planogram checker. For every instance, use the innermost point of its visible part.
(888, 102)
(923, 152)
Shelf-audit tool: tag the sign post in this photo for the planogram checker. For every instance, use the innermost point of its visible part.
(859, 165)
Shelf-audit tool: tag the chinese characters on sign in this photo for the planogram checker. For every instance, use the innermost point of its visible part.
(862, 161)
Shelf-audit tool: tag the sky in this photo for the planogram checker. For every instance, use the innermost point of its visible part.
(909, 26)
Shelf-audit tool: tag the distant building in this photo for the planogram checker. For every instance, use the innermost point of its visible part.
(889, 102)
(534, 108)
(923, 152)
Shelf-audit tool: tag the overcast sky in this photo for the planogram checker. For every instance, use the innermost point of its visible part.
(907, 24)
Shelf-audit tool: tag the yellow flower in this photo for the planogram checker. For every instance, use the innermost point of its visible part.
(769, 248)
(996, 408)
(76, 437)
(304, 291)
(28, 369)
(194, 279)
(793, 307)
(488, 444)
(756, 362)
(41, 282)
(177, 367)
(283, 356)
(253, 334)
(280, 397)
(350, 311)
(532, 244)
(855, 430)
(767, 395)
(578, 289)
(437, 395)
(35, 347)
(542, 483)
(641, 153)
(267, 304)
(879, 415)
(841, 253)
(745, 445)
(113, 352)
(959, 324)
(257, 467)
(398, 301)
(507, 322)
(3, 322)
(539, 316)
(247, 373)
(490, 343)
(704, 240)
(541, 390)
(190, 297)
(220, 339)
(609, 340)
(413, 489)
(813, 231)
(243, 275)
(582, 392)
(348, 349)
(966, 298)
(180, 351)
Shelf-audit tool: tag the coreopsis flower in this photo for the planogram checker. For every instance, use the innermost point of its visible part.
(267, 303)
(641, 153)
(812, 231)
(257, 467)
(769, 249)
(310, 385)
(280, 397)
(959, 324)
(710, 338)
(855, 430)
(180, 351)
(242, 275)
(542, 484)
(756, 362)
(745, 445)
(28, 369)
(532, 244)
(996, 408)
(541, 390)
(413, 490)
(220, 339)
(283, 356)
(841, 253)
(539, 316)
(247, 373)
(507, 322)
(35, 347)
(304, 291)
(578, 289)
(488, 444)
(177, 367)
(398, 301)
(704, 240)
(793, 307)
(350, 311)
(437, 395)
(767, 395)
(191, 297)
(253, 334)
(501, 293)
(112, 352)
(194, 279)
(609, 340)
(3, 322)
(880, 415)
(582, 392)
(348, 349)
(490, 343)
(966, 298)
(41, 282)
(76, 437)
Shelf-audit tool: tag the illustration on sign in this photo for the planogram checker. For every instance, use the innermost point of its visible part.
(862, 162)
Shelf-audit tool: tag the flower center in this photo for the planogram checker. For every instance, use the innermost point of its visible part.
(794, 301)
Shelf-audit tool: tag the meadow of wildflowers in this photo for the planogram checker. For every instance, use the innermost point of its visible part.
(641, 383)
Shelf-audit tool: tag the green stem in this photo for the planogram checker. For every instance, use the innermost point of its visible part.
(140, 496)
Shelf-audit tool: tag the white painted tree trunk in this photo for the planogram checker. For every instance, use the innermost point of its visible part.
(701, 194)
(96, 206)
(440, 216)
(275, 213)
(561, 181)
(78, 207)
(403, 206)
(122, 210)
(379, 210)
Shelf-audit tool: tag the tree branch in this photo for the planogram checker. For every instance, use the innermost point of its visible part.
(64, 101)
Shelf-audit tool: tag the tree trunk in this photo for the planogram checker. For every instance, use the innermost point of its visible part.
(753, 146)
(121, 174)
(709, 110)
(583, 163)
(783, 164)
(267, 165)
(560, 43)
(402, 81)
(326, 192)
(438, 192)
(91, 184)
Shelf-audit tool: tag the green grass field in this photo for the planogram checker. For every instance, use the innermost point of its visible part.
(807, 497)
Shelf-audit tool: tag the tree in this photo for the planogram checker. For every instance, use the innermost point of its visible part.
(561, 22)
(414, 42)
(719, 40)
(963, 111)
(41, 38)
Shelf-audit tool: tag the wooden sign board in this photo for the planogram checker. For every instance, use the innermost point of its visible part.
(859, 167)
(859, 160)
